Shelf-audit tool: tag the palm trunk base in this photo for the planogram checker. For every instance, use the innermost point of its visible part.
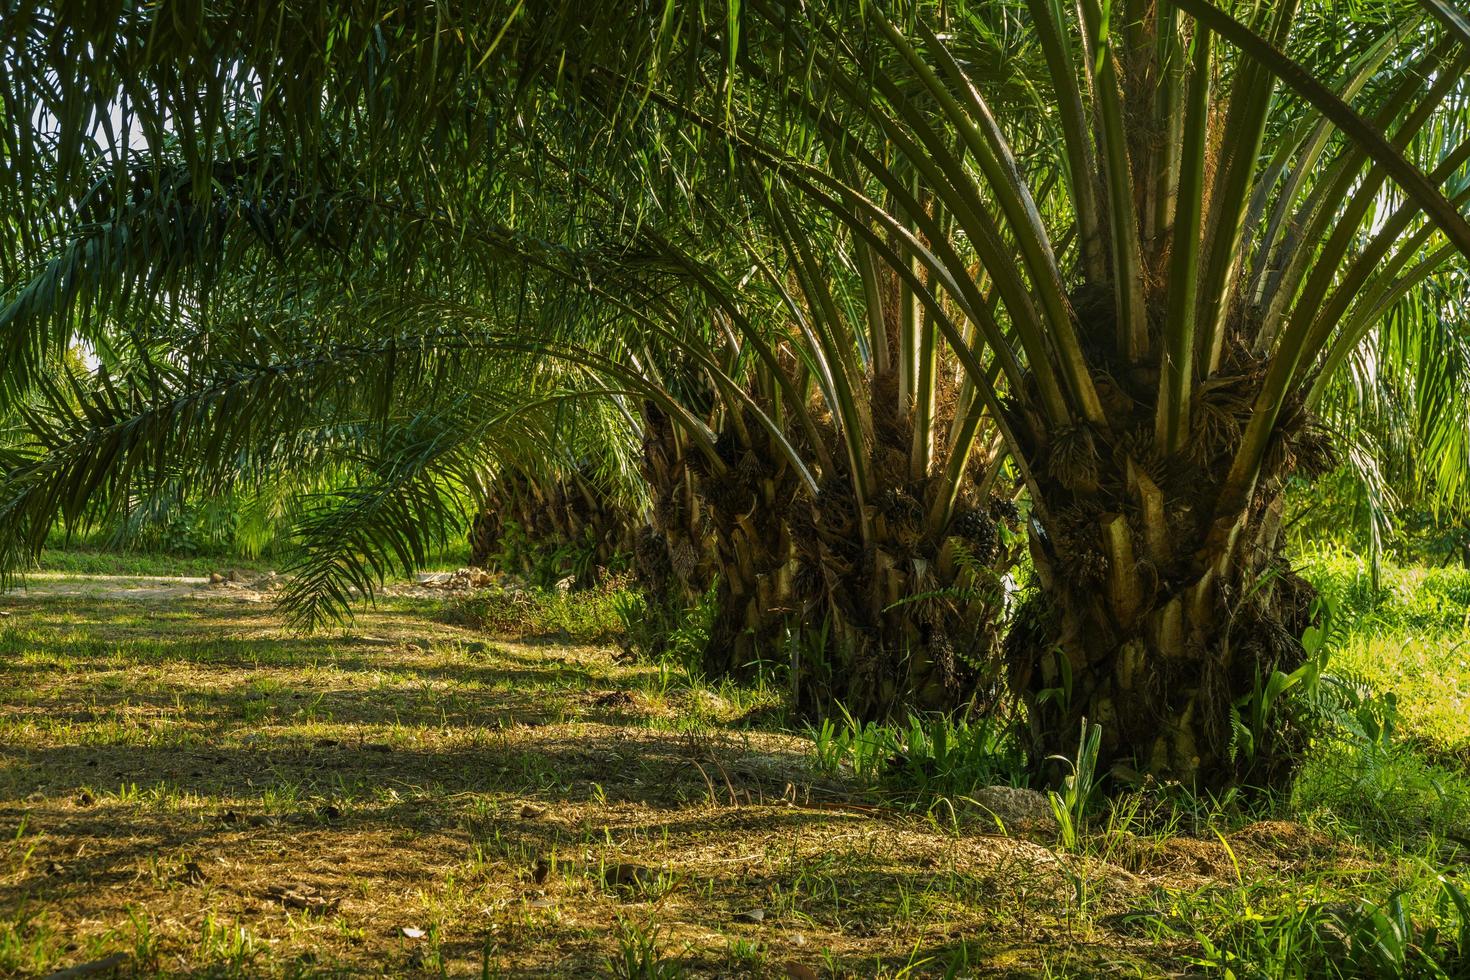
(873, 680)
(904, 624)
(1174, 692)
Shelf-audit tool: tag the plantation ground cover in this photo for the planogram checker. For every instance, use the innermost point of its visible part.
(191, 787)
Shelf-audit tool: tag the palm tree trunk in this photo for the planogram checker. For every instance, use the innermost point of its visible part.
(901, 615)
(1145, 626)
(558, 528)
(725, 533)
(750, 541)
(902, 622)
(671, 559)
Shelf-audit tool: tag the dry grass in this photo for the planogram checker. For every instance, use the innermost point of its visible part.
(186, 783)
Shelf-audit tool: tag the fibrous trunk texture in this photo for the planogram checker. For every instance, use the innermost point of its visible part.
(1144, 622)
(899, 614)
(724, 530)
(873, 612)
(551, 530)
(904, 620)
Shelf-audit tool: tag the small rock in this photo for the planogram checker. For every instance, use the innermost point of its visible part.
(798, 971)
(627, 875)
(469, 578)
(708, 702)
(1018, 809)
(751, 916)
(529, 812)
(412, 932)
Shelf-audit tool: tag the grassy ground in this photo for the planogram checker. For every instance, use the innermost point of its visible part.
(98, 561)
(191, 788)
(91, 555)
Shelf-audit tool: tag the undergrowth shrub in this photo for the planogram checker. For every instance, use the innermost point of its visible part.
(589, 616)
(1256, 932)
(1393, 797)
(1391, 758)
(926, 758)
(1411, 599)
(665, 632)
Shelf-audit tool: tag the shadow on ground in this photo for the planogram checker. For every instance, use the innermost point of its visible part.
(193, 783)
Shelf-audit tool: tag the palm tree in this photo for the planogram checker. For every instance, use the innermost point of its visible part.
(1232, 228)
(1144, 238)
(851, 524)
(354, 390)
(373, 478)
(564, 528)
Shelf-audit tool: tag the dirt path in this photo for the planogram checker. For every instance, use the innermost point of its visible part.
(144, 588)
